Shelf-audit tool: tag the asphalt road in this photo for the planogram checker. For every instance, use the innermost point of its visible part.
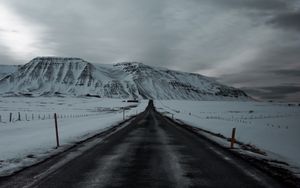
(154, 152)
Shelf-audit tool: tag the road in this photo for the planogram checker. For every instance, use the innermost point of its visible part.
(154, 152)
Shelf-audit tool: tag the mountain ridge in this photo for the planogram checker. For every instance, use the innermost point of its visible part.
(7, 69)
(77, 77)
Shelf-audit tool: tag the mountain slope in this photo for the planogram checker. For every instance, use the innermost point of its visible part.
(160, 83)
(74, 76)
(7, 69)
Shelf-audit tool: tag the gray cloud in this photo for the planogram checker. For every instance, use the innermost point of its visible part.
(289, 20)
(254, 4)
(288, 73)
(239, 42)
(274, 93)
(5, 59)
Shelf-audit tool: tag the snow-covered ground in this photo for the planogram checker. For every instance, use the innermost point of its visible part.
(273, 128)
(30, 137)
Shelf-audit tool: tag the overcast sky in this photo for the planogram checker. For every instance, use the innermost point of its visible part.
(249, 44)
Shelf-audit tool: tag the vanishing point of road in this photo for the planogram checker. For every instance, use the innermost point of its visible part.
(152, 151)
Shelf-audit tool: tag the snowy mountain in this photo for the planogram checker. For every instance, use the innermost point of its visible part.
(7, 69)
(74, 76)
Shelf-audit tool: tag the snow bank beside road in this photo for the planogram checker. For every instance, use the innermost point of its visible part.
(23, 143)
(273, 128)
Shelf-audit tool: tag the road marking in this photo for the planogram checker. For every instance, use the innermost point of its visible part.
(248, 172)
(177, 172)
(69, 157)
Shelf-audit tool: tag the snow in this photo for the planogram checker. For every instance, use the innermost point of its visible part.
(272, 127)
(7, 69)
(32, 140)
(52, 76)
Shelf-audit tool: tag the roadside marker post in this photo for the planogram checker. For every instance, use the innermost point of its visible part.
(123, 113)
(10, 117)
(56, 131)
(232, 138)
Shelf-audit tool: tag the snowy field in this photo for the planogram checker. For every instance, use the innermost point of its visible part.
(27, 132)
(272, 127)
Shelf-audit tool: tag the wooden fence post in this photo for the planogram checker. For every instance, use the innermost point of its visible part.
(10, 117)
(56, 130)
(232, 138)
(123, 113)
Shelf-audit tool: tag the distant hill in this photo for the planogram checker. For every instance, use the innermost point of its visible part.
(73, 76)
(7, 69)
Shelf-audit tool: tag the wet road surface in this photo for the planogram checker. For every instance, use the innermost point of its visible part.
(154, 152)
